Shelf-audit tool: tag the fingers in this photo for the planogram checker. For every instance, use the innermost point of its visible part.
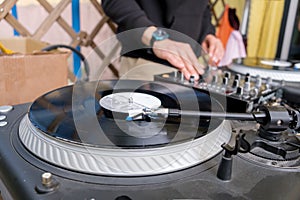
(180, 55)
(216, 51)
(174, 60)
(204, 46)
(182, 64)
(214, 47)
(195, 62)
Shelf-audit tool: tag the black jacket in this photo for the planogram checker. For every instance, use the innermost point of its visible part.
(190, 17)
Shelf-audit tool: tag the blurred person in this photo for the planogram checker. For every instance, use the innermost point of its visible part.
(158, 24)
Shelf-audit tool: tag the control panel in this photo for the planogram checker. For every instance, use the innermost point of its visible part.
(242, 92)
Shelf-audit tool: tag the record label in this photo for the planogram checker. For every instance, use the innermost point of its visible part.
(124, 102)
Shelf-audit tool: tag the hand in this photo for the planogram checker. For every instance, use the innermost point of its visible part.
(214, 47)
(180, 55)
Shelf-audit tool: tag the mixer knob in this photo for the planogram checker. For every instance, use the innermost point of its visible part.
(253, 93)
(235, 83)
(224, 85)
(248, 79)
(201, 79)
(239, 91)
(237, 77)
(225, 81)
(268, 83)
(175, 74)
(258, 82)
(227, 75)
(246, 86)
(214, 79)
(192, 79)
(246, 89)
(269, 80)
(181, 77)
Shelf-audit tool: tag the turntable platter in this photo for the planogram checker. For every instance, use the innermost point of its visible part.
(278, 63)
(71, 128)
(278, 70)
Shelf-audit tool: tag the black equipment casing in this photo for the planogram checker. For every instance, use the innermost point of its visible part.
(21, 172)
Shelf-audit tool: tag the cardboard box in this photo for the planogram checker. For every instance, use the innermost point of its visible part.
(29, 74)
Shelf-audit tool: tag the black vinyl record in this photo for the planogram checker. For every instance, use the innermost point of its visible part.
(74, 114)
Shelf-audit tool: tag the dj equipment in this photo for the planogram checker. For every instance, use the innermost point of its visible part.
(237, 92)
(152, 140)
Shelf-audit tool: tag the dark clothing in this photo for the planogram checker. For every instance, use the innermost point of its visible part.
(190, 17)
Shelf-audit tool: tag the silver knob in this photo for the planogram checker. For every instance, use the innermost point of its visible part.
(258, 82)
(181, 77)
(46, 178)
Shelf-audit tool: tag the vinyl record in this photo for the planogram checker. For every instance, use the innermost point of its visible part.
(74, 114)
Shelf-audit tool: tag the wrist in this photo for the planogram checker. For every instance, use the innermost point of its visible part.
(147, 35)
(153, 34)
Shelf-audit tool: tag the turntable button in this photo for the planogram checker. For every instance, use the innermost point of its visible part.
(2, 117)
(3, 123)
(5, 109)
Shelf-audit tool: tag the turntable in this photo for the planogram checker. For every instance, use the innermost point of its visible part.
(145, 140)
(278, 70)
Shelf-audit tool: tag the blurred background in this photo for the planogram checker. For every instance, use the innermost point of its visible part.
(270, 28)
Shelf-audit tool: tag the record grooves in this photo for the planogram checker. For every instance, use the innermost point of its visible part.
(53, 114)
(68, 127)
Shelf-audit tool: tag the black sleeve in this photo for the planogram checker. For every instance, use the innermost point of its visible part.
(207, 26)
(127, 14)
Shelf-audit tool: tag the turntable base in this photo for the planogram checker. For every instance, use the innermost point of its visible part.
(123, 162)
(33, 169)
(21, 173)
